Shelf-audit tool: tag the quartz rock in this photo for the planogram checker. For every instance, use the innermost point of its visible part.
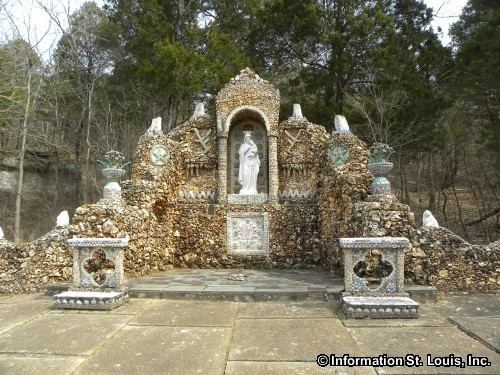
(62, 219)
(155, 128)
(341, 125)
(199, 110)
(297, 111)
(428, 220)
(1, 234)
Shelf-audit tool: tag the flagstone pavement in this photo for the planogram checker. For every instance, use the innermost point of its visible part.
(188, 337)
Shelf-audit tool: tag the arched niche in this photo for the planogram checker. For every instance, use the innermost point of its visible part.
(247, 121)
(237, 120)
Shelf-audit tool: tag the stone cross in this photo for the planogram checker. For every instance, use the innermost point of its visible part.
(292, 141)
(203, 140)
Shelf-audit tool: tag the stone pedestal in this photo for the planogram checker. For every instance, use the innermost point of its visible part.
(112, 193)
(381, 185)
(99, 290)
(385, 300)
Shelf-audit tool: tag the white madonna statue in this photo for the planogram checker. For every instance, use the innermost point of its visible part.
(249, 165)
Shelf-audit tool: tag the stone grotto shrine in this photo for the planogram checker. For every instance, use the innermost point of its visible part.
(189, 180)
(243, 190)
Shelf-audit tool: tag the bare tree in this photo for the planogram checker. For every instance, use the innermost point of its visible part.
(25, 83)
(83, 58)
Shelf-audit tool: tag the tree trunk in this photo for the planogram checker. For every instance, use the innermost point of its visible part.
(20, 176)
(173, 106)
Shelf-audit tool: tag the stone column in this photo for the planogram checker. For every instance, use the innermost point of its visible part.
(273, 169)
(222, 170)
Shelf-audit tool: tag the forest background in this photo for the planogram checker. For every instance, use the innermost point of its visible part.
(378, 62)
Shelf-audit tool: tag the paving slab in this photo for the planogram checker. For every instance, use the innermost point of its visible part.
(436, 341)
(230, 288)
(286, 310)
(161, 350)
(38, 365)
(471, 305)
(13, 314)
(23, 298)
(132, 307)
(187, 288)
(485, 329)
(188, 313)
(291, 368)
(63, 334)
(288, 339)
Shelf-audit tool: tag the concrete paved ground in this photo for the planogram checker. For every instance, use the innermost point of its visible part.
(207, 337)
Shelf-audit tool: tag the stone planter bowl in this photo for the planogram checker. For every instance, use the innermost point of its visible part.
(112, 174)
(380, 169)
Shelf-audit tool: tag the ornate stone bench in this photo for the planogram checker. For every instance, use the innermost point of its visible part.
(382, 295)
(96, 287)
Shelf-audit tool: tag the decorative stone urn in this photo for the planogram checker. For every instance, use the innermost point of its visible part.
(113, 170)
(380, 167)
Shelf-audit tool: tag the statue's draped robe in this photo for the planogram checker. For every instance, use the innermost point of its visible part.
(249, 168)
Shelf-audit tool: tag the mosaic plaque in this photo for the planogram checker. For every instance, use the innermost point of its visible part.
(159, 155)
(247, 233)
(339, 155)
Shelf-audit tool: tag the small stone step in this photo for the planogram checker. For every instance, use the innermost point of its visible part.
(379, 307)
(83, 300)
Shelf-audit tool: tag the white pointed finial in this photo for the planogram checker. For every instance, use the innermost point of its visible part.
(62, 219)
(341, 125)
(1, 234)
(428, 220)
(155, 128)
(199, 110)
(297, 112)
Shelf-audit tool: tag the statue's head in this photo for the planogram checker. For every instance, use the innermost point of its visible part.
(247, 136)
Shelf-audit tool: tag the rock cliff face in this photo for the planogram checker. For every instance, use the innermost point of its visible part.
(182, 211)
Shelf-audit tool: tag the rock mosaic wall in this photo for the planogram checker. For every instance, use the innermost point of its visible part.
(445, 260)
(174, 215)
(345, 180)
(148, 248)
(437, 256)
(31, 266)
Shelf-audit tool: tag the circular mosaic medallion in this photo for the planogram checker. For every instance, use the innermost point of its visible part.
(339, 154)
(159, 155)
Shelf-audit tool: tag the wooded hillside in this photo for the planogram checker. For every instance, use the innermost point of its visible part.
(378, 62)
